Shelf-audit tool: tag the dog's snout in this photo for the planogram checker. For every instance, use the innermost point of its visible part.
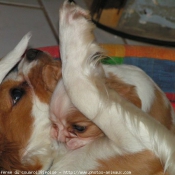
(32, 54)
(71, 1)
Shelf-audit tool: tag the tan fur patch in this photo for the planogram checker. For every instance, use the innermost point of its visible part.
(77, 118)
(160, 110)
(42, 81)
(125, 90)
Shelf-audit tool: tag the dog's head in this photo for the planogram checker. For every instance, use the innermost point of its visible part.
(25, 123)
(24, 110)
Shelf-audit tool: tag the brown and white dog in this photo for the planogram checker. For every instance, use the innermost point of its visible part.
(26, 144)
(24, 114)
(127, 129)
(128, 81)
(24, 121)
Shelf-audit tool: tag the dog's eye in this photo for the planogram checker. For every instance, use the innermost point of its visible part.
(79, 128)
(16, 94)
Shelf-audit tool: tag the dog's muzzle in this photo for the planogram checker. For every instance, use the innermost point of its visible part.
(32, 54)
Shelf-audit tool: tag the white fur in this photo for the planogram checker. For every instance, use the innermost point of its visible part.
(127, 126)
(12, 58)
(25, 67)
(85, 158)
(135, 76)
(40, 143)
(60, 102)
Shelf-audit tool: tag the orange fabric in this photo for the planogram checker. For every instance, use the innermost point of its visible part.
(139, 51)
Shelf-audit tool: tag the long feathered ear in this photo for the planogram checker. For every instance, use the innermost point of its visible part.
(12, 58)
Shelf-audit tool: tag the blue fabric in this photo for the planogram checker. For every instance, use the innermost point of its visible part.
(161, 71)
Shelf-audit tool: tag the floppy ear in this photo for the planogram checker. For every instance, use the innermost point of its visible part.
(51, 75)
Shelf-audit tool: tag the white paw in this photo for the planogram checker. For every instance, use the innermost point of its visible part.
(75, 29)
(71, 13)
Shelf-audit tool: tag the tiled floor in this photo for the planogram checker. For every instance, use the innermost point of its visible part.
(17, 17)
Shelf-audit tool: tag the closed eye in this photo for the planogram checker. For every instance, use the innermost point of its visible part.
(16, 95)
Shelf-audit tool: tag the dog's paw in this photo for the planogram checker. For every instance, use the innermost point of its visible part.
(75, 31)
(74, 22)
(70, 13)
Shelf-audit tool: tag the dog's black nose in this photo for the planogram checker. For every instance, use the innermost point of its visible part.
(32, 54)
(70, 1)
